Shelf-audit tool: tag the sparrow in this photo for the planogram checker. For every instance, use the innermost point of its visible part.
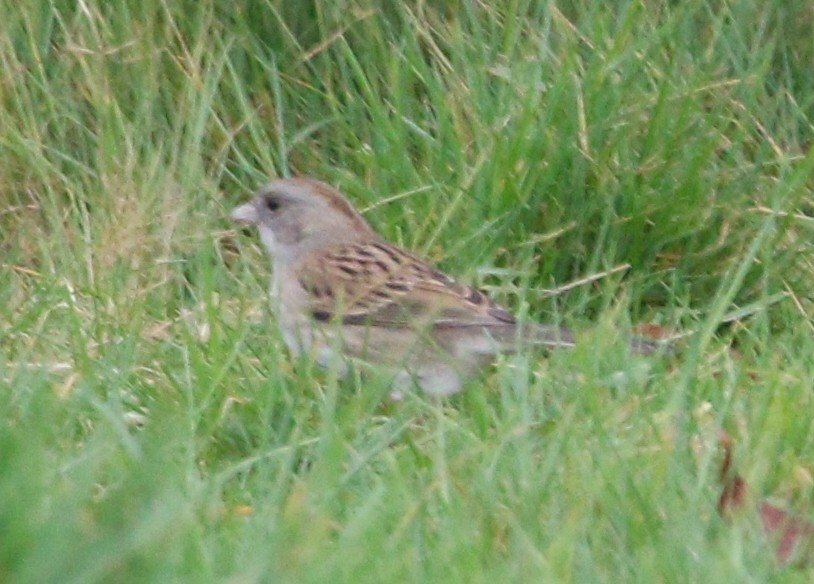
(343, 293)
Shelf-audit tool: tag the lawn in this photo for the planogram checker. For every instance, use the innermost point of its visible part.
(605, 165)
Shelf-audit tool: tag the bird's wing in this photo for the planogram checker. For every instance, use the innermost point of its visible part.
(378, 284)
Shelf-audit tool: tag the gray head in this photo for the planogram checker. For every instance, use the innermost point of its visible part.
(296, 215)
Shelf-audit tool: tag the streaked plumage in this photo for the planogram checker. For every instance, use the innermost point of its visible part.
(336, 283)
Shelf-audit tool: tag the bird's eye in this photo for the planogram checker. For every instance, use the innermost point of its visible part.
(272, 203)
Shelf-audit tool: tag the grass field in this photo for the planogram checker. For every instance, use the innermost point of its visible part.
(601, 164)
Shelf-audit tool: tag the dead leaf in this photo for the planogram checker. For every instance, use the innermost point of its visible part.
(789, 532)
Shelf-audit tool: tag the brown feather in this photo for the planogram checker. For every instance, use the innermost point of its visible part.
(398, 289)
(335, 200)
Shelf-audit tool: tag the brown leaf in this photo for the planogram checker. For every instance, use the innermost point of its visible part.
(788, 531)
(653, 331)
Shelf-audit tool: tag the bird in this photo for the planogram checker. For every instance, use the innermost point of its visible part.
(342, 293)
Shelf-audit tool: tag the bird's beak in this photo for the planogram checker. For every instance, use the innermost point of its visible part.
(245, 213)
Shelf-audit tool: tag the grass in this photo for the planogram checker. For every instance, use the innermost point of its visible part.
(603, 164)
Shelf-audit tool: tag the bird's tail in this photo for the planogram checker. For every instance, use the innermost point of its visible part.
(505, 338)
(554, 336)
(550, 336)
